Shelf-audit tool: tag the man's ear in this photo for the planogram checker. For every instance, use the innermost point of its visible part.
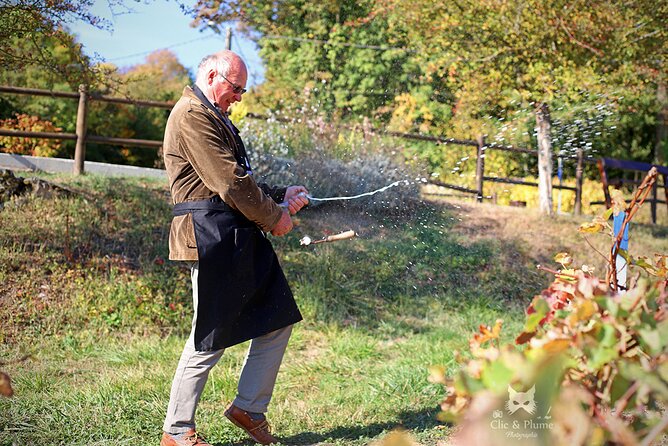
(210, 76)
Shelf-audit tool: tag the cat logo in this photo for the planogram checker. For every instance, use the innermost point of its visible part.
(521, 400)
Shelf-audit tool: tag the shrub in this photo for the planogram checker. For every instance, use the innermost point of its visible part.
(593, 370)
(29, 146)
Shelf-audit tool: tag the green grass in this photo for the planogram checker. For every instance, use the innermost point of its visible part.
(85, 290)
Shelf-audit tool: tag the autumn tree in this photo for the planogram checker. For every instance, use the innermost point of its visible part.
(494, 53)
(160, 78)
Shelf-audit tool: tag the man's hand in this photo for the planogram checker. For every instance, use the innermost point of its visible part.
(295, 197)
(283, 226)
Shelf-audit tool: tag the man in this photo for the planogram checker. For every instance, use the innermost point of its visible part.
(220, 219)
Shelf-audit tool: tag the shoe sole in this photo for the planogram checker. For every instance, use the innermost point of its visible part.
(239, 425)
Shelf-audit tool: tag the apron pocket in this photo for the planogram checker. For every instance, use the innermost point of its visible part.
(251, 260)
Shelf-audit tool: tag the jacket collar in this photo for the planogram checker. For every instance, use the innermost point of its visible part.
(200, 95)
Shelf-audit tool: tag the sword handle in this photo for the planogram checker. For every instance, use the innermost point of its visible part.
(342, 236)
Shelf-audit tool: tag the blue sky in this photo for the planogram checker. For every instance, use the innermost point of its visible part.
(157, 25)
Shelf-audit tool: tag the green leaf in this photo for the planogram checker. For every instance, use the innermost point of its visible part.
(663, 371)
(610, 305)
(650, 337)
(541, 308)
(662, 328)
(468, 385)
(626, 256)
(532, 322)
(496, 376)
(600, 356)
(635, 372)
(618, 388)
(607, 337)
(447, 417)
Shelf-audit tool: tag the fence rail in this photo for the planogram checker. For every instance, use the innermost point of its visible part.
(82, 137)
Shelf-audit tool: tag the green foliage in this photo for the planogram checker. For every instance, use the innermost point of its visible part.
(603, 353)
(160, 78)
(502, 58)
(466, 68)
(594, 361)
(88, 295)
(35, 37)
(105, 270)
(346, 63)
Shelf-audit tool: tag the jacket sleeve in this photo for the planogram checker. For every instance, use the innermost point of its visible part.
(210, 153)
(276, 193)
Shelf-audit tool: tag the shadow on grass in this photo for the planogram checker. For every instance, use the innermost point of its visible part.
(408, 420)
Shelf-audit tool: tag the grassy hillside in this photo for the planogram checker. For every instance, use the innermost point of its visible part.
(86, 290)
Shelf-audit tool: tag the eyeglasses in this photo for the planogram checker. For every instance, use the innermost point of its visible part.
(237, 89)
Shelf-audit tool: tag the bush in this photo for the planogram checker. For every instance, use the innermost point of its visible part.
(594, 368)
(29, 146)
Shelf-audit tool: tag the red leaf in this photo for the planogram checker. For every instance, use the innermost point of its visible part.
(524, 337)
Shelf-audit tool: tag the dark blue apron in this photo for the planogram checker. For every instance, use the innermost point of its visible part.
(242, 291)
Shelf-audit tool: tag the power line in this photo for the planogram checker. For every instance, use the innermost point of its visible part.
(330, 42)
(145, 53)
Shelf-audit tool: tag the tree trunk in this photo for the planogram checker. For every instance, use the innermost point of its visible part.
(543, 126)
(578, 181)
(661, 143)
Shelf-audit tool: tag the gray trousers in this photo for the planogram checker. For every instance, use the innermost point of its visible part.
(255, 386)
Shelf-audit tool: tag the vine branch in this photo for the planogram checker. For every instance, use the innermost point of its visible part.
(638, 199)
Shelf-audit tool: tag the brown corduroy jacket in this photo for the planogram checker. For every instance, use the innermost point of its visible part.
(199, 158)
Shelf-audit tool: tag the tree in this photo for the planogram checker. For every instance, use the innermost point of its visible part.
(161, 78)
(328, 53)
(539, 52)
(25, 25)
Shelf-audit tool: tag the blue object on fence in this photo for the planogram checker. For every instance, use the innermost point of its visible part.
(617, 226)
(620, 262)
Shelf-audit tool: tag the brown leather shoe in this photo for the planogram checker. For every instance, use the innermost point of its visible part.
(191, 438)
(259, 430)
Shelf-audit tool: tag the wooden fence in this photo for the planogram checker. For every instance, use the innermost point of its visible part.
(82, 137)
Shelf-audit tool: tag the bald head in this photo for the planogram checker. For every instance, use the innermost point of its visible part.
(223, 62)
(222, 78)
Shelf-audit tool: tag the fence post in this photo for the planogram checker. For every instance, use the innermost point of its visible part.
(80, 149)
(578, 182)
(655, 198)
(480, 167)
(665, 188)
(604, 180)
